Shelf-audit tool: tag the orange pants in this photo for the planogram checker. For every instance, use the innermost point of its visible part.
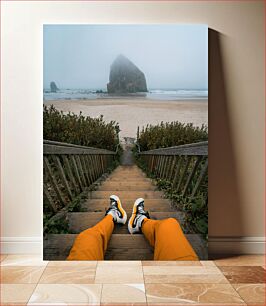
(166, 236)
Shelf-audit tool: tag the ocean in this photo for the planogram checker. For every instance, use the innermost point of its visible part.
(153, 94)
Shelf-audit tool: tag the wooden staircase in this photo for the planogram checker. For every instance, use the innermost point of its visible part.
(129, 183)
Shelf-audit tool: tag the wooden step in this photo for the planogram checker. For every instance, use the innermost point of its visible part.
(134, 247)
(127, 187)
(121, 247)
(126, 183)
(128, 179)
(57, 246)
(127, 169)
(123, 167)
(127, 194)
(128, 172)
(150, 205)
(128, 254)
(135, 177)
(80, 221)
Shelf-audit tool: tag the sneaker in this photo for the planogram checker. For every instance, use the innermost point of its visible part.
(116, 210)
(138, 215)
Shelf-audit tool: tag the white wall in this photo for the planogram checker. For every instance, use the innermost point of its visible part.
(236, 111)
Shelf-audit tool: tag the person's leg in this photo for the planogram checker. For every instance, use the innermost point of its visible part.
(91, 244)
(168, 240)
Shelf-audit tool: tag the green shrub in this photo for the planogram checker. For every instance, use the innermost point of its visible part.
(170, 134)
(79, 129)
(55, 226)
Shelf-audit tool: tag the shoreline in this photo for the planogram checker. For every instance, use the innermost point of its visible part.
(122, 100)
(133, 112)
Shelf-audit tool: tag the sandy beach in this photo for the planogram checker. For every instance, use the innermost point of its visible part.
(133, 112)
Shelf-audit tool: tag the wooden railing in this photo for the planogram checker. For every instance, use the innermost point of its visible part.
(185, 166)
(70, 169)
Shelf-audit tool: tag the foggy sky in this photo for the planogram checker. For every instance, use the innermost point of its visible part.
(171, 56)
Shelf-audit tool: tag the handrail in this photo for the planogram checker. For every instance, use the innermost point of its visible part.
(198, 148)
(55, 147)
(184, 167)
(69, 170)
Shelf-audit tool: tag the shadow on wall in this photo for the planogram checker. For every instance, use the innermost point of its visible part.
(225, 214)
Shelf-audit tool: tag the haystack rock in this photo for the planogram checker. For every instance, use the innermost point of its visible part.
(125, 77)
(53, 87)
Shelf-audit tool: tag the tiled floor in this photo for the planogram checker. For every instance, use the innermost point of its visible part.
(27, 280)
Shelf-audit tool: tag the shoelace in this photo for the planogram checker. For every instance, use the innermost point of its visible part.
(112, 206)
(141, 210)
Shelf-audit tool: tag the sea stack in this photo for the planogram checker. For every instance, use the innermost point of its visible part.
(53, 87)
(125, 77)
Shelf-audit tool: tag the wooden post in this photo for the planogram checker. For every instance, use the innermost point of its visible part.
(92, 168)
(76, 171)
(183, 173)
(87, 161)
(177, 170)
(85, 169)
(77, 157)
(201, 176)
(172, 167)
(49, 198)
(191, 175)
(62, 175)
(162, 166)
(101, 161)
(53, 180)
(70, 174)
(152, 163)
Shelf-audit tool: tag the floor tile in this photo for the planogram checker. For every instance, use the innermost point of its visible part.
(208, 263)
(128, 304)
(248, 274)
(195, 304)
(242, 260)
(16, 293)
(68, 275)
(127, 263)
(170, 263)
(183, 274)
(123, 293)
(2, 256)
(115, 272)
(67, 294)
(251, 293)
(192, 293)
(21, 275)
(24, 260)
(73, 263)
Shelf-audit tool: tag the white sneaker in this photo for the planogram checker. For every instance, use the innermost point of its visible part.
(137, 217)
(116, 210)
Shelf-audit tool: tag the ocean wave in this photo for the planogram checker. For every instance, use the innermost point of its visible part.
(156, 94)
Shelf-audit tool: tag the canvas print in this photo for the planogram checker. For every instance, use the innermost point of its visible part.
(125, 142)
